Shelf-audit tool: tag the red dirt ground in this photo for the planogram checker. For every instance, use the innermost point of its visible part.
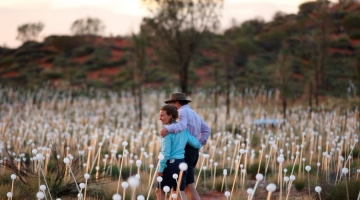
(10, 74)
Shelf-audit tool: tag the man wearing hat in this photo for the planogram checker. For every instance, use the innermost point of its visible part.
(188, 119)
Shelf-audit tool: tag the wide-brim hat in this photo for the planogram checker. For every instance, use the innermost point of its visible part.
(177, 96)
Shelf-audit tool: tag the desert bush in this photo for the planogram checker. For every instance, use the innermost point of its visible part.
(339, 191)
(252, 170)
(300, 184)
(7, 60)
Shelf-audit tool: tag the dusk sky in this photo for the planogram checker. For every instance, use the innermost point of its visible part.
(121, 17)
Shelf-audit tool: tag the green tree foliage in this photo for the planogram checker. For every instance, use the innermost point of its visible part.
(309, 7)
(271, 40)
(29, 31)
(351, 22)
(87, 26)
(177, 28)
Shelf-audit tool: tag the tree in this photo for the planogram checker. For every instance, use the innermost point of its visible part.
(140, 44)
(283, 75)
(177, 28)
(321, 42)
(88, 26)
(29, 31)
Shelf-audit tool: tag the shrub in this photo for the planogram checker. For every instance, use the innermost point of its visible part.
(51, 74)
(299, 184)
(252, 170)
(354, 35)
(339, 191)
(351, 21)
(7, 60)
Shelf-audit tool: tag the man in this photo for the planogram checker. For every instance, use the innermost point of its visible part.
(188, 119)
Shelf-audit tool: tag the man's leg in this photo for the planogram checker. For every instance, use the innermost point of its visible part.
(160, 195)
(191, 158)
(191, 192)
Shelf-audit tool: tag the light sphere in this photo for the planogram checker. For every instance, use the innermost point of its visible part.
(86, 176)
(242, 151)
(318, 164)
(161, 157)
(174, 196)
(318, 189)
(345, 170)
(259, 177)
(133, 182)
(42, 187)
(40, 195)
(82, 185)
(308, 168)
(116, 197)
(250, 191)
(280, 159)
(9, 194)
(183, 166)
(166, 189)
(225, 172)
(13, 176)
(175, 176)
(39, 156)
(125, 143)
(286, 179)
(292, 178)
(66, 160)
(159, 178)
(140, 197)
(137, 176)
(271, 187)
(227, 194)
(34, 151)
(124, 184)
(138, 163)
(58, 199)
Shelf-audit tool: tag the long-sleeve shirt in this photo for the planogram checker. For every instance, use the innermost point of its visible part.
(189, 119)
(173, 146)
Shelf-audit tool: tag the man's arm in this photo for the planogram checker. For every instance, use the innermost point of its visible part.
(204, 133)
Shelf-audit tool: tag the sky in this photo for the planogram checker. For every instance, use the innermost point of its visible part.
(120, 17)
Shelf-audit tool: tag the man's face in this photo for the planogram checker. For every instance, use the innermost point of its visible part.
(175, 103)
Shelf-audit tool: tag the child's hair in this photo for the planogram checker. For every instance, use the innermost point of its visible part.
(171, 110)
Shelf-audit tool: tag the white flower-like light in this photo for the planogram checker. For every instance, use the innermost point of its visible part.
(259, 177)
(166, 189)
(183, 166)
(40, 195)
(271, 187)
(227, 194)
(133, 182)
(116, 197)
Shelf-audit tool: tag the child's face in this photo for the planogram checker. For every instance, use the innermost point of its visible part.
(163, 117)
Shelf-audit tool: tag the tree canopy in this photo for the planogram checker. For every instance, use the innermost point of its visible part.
(29, 31)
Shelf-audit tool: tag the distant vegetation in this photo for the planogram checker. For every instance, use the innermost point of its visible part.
(307, 55)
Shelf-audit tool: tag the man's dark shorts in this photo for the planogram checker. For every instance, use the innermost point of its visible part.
(191, 158)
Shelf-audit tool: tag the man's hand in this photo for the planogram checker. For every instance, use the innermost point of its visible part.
(160, 174)
(164, 132)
